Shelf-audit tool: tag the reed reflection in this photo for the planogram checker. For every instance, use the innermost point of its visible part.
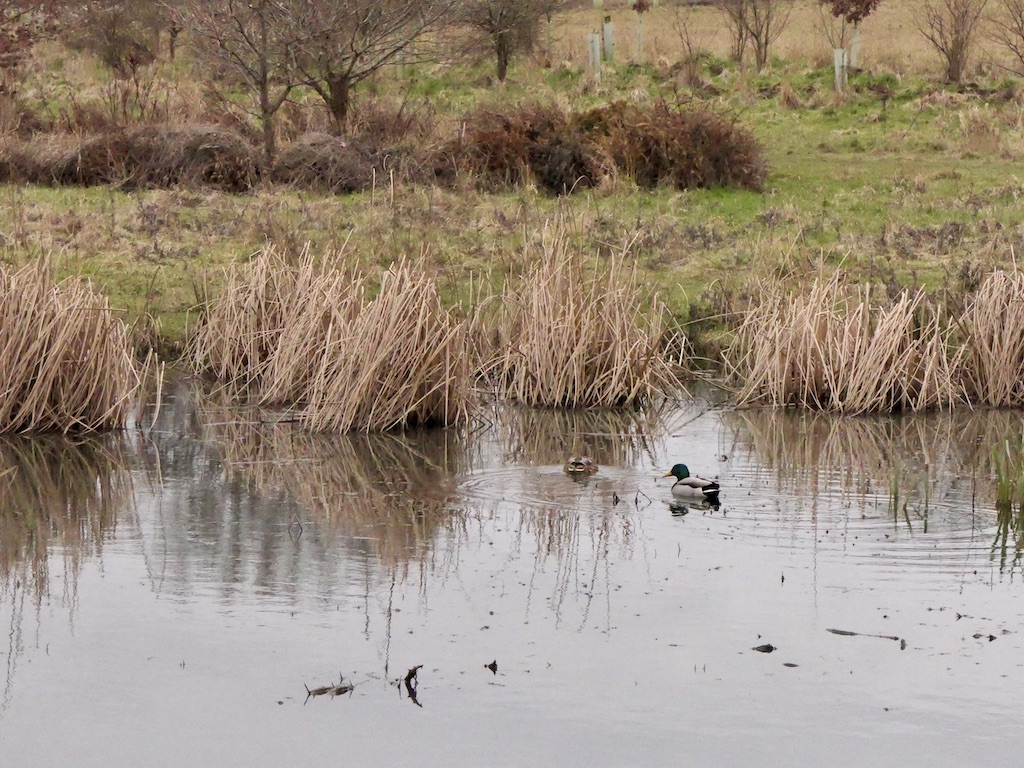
(57, 495)
(610, 437)
(939, 471)
(391, 491)
(60, 499)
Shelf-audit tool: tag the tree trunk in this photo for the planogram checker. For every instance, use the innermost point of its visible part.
(503, 48)
(172, 40)
(339, 89)
(267, 120)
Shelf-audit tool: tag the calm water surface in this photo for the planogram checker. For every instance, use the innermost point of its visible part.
(167, 595)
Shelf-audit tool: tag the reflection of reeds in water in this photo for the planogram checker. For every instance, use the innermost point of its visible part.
(391, 490)
(912, 459)
(56, 495)
(616, 437)
(1008, 466)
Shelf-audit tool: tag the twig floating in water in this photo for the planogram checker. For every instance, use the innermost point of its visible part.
(849, 633)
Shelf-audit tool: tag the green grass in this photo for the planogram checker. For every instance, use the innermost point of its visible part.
(903, 187)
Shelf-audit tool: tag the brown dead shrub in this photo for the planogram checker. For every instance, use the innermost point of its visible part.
(145, 157)
(531, 144)
(324, 162)
(685, 147)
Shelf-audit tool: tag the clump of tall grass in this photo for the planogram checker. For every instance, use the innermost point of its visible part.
(831, 348)
(262, 336)
(993, 322)
(579, 334)
(308, 335)
(401, 362)
(66, 362)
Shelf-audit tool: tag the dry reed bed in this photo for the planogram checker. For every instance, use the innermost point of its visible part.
(401, 362)
(993, 323)
(577, 334)
(66, 360)
(831, 348)
(308, 335)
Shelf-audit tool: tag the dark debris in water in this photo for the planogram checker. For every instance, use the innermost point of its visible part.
(766, 648)
(332, 690)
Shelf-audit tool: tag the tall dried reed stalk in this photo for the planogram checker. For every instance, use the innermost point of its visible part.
(401, 362)
(577, 336)
(993, 322)
(831, 348)
(66, 362)
(264, 334)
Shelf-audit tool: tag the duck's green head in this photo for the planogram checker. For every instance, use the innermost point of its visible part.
(679, 472)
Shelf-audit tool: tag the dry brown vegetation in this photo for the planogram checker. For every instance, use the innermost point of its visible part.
(994, 358)
(307, 335)
(832, 347)
(400, 362)
(576, 335)
(146, 156)
(66, 360)
(569, 332)
(683, 147)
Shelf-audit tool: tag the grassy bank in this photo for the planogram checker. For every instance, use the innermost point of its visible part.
(900, 181)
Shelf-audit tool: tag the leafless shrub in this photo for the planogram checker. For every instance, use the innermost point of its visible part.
(146, 156)
(534, 143)
(326, 162)
(685, 147)
(67, 360)
(833, 349)
(578, 337)
(951, 27)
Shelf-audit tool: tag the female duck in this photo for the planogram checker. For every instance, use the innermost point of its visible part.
(580, 465)
(692, 487)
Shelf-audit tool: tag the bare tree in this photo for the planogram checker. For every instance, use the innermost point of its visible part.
(22, 23)
(765, 20)
(1007, 31)
(509, 26)
(951, 27)
(252, 39)
(755, 22)
(340, 43)
(734, 13)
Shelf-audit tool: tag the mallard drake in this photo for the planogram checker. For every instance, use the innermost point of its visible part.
(580, 465)
(689, 486)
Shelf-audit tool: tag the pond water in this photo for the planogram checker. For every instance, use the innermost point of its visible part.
(167, 595)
